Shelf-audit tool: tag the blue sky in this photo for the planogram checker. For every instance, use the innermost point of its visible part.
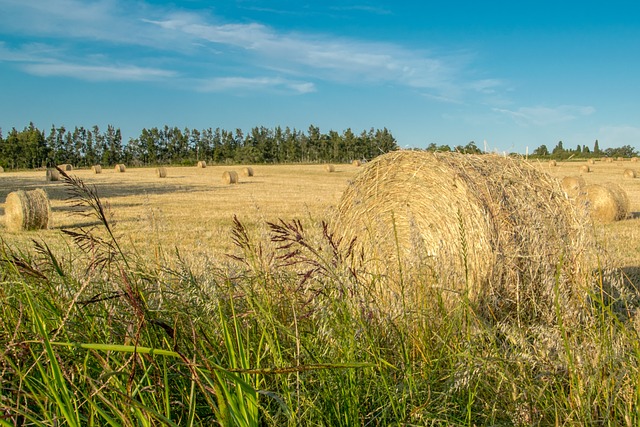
(515, 74)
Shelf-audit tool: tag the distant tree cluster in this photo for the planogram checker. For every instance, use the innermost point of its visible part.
(30, 148)
(583, 152)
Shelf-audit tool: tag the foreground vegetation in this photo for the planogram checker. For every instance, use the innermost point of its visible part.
(283, 332)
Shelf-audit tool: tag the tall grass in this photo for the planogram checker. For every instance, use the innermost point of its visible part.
(285, 332)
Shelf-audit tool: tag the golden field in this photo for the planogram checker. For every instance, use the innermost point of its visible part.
(192, 208)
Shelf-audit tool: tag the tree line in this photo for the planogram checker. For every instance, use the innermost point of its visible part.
(83, 147)
(559, 152)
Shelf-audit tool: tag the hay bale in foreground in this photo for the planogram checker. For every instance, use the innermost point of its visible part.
(629, 173)
(66, 167)
(248, 171)
(230, 177)
(120, 168)
(329, 168)
(572, 186)
(605, 202)
(202, 164)
(431, 226)
(52, 174)
(356, 163)
(161, 172)
(585, 169)
(96, 169)
(27, 210)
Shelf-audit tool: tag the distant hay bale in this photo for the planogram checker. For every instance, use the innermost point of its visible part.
(609, 159)
(356, 163)
(634, 159)
(605, 202)
(27, 210)
(620, 159)
(202, 164)
(1, 169)
(248, 171)
(96, 169)
(52, 174)
(66, 167)
(230, 177)
(629, 173)
(591, 162)
(553, 163)
(448, 226)
(329, 168)
(585, 169)
(161, 172)
(572, 185)
(120, 168)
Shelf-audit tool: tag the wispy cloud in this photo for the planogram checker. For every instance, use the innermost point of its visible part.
(245, 53)
(99, 72)
(221, 84)
(545, 116)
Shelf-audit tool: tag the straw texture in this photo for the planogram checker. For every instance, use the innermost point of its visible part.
(27, 210)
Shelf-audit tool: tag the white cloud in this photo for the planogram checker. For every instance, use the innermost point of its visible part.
(545, 116)
(221, 84)
(98, 73)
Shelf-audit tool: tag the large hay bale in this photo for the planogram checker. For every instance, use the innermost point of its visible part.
(585, 169)
(572, 186)
(356, 163)
(161, 172)
(52, 174)
(27, 210)
(248, 171)
(230, 177)
(96, 169)
(202, 164)
(605, 202)
(329, 168)
(120, 168)
(553, 163)
(483, 228)
(629, 173)
(66, 167)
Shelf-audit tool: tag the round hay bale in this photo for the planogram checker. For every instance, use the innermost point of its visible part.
(202, 164)
(120, 168)
(609, 159)
(52, 174)
(248, 171)
(329, 168)
(161, 172)
(356, 163)
(572, 186)
(66, 167)
(591, 162)
(452, 227)
(620, 159)
(605, 202)
(585, 169)
(96, 169)
(634, 159)
(230, 177)
(27, 210)
(629, 173)
(1, 169)
(553, 163)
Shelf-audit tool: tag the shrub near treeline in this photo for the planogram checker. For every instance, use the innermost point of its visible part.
(83, 147)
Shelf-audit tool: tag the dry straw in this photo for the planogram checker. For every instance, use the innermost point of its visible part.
(585, 169)
(356, 163)
(629, 173)
(329, 168)
(161, 172)
(491, 229)
(66, 167)
(53, 174)
(248, 171)
(230, 177)
(572, 185)
(120, 167)
(605, 202)
(202, 164)
(27, 210)
(96, 169)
